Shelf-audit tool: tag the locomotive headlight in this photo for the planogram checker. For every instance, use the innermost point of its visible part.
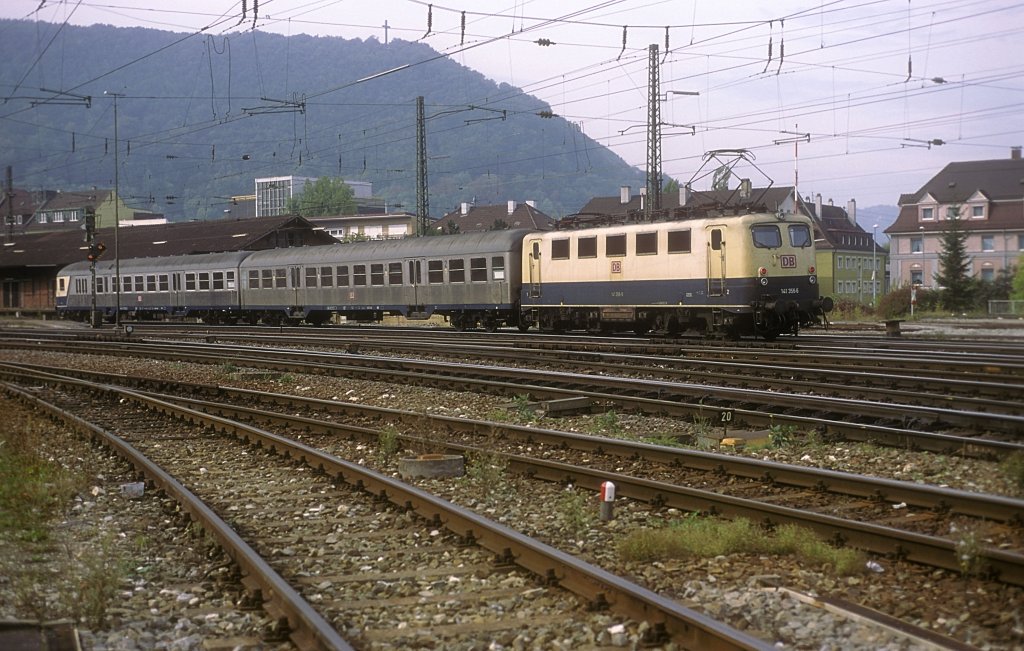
(812, 279)
(762, 272)
(810, 269)
(764, 281)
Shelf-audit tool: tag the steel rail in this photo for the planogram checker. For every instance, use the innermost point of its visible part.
(601, 588)
(306, 627)
(992, 507)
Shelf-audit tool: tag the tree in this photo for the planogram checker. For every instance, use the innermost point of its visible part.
(325, 196)
(957, 285)
(1017, 293)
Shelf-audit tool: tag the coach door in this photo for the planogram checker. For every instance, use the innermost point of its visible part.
(534, 262)
(414, 279)
(716, 260)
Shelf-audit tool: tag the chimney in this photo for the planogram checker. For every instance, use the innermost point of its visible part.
(817, 205)
(1015, 153)
(684, 194)
(511, 207)
(531, 203)
(851, 211)
(624, 194)
(465, 208)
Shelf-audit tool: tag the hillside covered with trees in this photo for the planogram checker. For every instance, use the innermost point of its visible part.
(199, 117)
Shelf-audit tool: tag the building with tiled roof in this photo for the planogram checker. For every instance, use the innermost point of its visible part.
(29, 262)
(470, 218)
(988, 196)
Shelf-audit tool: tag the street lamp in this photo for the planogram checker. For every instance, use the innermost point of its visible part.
(117, 216)
(874, 263)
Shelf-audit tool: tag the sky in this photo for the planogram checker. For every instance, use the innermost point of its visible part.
(859, 99)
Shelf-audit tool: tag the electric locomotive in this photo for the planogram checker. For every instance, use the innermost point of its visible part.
(749, 274)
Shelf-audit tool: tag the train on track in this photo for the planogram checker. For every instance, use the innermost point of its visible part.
(740, 274)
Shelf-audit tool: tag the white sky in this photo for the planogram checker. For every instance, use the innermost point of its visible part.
(871, 82)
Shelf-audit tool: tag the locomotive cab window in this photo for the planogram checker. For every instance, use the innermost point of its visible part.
(799, 235)
(766, 236)
(647, 244)
(615, 245)
(559, 249)
(586, 247)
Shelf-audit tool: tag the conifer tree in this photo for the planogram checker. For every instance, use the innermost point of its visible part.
(953, 277)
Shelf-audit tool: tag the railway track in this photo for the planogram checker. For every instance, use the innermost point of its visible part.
(473, 578)
(934, 428)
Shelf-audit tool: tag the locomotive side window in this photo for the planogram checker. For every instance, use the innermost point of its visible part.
(560, 249)
(647, 243)
(435, 272)
(394, 273)
(586, 247)
(311, 276)
(326, 277)
(359, 275)
(456, 271)
(799, 235)
(615, 245)
(478, 270)
(280, 279)
(498, 268)
(766, 236)
(679, 241)
(377, 274)
(343, 276)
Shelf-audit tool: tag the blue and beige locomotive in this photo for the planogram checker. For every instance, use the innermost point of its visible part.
(749, 274)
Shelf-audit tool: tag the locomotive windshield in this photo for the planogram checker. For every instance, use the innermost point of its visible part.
(799, 235)
(766, 236)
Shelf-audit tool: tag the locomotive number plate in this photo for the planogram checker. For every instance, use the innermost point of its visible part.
(617, 266)
(787, 261)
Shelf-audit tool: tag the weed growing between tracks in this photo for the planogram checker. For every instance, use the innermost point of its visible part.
(1013, 468)
(697, 535)
(35, 490)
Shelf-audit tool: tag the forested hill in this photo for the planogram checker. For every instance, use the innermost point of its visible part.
(200, 117)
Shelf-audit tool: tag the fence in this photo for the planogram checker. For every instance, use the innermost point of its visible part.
(1006, 308)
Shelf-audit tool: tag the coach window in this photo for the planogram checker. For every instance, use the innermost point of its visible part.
(679, 241)
(151, 283)
(586, 247)
(359, 275)
(377, 274)
(799, 235)
(456, 271)
(394, 273)
(162, 281)
(229, 279)
(190, 282)
(478, 270)
(326, 277)
(280, 279)
(140, 283)
(646, 243)
(766, 236)
(498, 268)
(435, 272)
(218, 280)
(615, 245)
(311, 277)
(560, 249)
(343, 276)
(204, 281)
(268, 278)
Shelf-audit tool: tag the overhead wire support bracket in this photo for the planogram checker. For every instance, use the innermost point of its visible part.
(284, 106)
(63, 98)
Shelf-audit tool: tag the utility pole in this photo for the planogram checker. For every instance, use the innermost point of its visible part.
(422, 201)
(10, 203)
(653, 203)
(117, 217)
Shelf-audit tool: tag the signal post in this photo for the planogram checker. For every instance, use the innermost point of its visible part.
(96, 250)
